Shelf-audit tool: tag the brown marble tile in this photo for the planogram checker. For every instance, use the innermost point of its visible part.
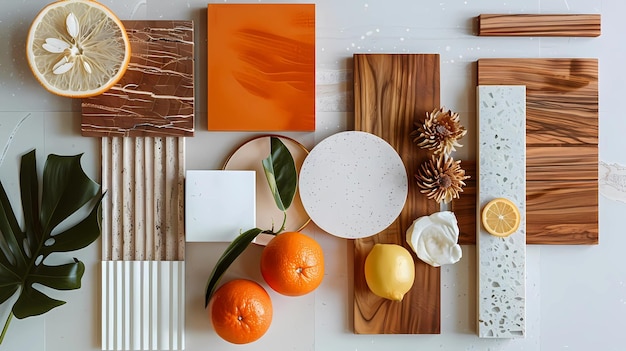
(156, 95)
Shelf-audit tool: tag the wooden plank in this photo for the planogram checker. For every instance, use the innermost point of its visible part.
(561, 141)
(562, 212)
(464, 207)
(539, 25)
(391, 93)
(502, 173)
(155, 97)
(561, 96)
(562, 163)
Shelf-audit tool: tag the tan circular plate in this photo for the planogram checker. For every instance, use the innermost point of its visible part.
(248, 157)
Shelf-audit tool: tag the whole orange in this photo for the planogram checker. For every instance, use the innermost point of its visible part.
(292, 264)
(241, 311)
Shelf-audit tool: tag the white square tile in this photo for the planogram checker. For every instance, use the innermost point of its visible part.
(219, 204)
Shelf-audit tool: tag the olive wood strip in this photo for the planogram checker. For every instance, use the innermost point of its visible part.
(464, 207)
(391, 93)
(561, 94)
(536, 25)
(562, 212)
(562, 163)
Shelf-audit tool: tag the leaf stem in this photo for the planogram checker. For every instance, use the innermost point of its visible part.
(6, 327)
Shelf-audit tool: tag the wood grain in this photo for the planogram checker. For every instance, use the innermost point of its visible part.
(391, 93)
(539, 25)
(464, 207)
(562, 163)
(561, 144)
(561, 95)
(562, 212)
(155, 97)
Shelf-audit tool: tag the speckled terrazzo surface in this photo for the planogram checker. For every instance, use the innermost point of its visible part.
(502, 173)
(353, 184)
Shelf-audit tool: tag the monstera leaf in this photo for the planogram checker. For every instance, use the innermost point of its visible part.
(23, 252)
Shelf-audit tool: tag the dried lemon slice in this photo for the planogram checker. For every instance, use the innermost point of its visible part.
(500, 217)
(77, 48)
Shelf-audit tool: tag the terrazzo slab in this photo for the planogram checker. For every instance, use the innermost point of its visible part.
(155, 97)
(143, 305)
(539, 25)
(219, 205)
(502, 173)
(353, 184)
(391, 93)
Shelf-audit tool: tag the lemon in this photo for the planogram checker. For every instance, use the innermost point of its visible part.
(500, 217)
(389, 271)
(77, 48)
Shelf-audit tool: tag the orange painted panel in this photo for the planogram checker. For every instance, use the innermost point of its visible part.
(261, 67)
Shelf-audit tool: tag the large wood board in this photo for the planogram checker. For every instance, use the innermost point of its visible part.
(561, 144)
(539, 25)
(391, 93)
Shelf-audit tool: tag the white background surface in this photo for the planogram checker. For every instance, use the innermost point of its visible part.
(576, 295)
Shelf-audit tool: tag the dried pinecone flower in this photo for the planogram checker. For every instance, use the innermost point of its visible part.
(440, 131)
(441, 178)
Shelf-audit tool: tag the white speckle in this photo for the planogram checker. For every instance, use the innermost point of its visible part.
(408, 29)
(369, 32)
(401, 39)
(448, 48)
(362, 37)
(377, 30)
(366, 5)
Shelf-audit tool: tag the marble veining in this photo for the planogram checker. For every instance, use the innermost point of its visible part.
(156, 95)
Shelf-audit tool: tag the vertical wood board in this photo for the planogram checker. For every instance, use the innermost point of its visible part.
(155, 97)
(561, 143)
(391, 93)
(502, 173)
(539, 25)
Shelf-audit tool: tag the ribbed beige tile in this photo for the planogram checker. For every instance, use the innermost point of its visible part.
(143, 211)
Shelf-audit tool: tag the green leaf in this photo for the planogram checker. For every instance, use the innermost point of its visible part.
(281, 174)
(66, 189)
(234, 249)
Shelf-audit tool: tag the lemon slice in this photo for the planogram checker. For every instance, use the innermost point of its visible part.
(500, 217)
(77, 48)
